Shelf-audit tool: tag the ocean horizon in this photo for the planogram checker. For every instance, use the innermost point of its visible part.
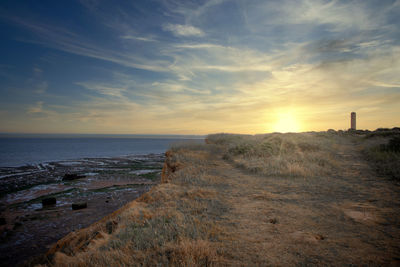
(89, 135)
(29, 149)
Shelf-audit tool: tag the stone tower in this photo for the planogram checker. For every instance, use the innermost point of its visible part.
(353, 121)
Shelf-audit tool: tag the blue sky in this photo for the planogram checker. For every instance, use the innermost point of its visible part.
(197, 67)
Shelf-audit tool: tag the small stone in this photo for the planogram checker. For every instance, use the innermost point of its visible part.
(80, 205)
(72, 176)
(16, 225)
(49, 201)
(273, 221)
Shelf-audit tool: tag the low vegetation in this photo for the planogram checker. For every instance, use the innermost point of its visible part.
(303, 155)
(225, 202)
(383, 151)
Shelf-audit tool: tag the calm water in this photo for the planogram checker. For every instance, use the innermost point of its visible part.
(18, 151)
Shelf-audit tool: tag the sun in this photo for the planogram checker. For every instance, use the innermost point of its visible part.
(285, 123)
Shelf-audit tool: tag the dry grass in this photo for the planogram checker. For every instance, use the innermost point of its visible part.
(303, 155)
(175, 224)
(242, 201)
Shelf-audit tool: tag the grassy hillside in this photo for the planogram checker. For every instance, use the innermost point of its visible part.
(280, 154)
(275, 199)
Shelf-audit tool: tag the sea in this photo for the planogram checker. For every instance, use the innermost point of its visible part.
(25, 149)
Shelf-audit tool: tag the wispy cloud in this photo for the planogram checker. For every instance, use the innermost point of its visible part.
(138, 38)
(200, 46)
(37, 70)
(339, 16)
(65, 40)
(37, 108)
(183, 30)
(103, 89)
(41, 87)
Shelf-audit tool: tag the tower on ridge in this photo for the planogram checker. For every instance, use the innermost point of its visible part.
(353, 121)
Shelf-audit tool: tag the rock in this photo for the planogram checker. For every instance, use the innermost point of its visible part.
(49, 201)
(79, 206)
(16, 225)
(273, 221)
(72, 176)
(5, 234)
(2, 221)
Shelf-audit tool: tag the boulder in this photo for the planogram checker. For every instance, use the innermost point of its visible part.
(79, 206)
(72, 176)
(49, 201)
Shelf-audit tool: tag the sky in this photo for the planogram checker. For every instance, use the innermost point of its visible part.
(198, 67)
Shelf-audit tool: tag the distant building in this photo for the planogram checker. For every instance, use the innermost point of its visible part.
(353, 121)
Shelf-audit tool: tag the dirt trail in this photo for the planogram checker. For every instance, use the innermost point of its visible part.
(351, 218)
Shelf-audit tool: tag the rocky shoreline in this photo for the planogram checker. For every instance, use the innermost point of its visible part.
(38, 202)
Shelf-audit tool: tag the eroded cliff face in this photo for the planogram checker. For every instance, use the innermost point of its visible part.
(81, 240)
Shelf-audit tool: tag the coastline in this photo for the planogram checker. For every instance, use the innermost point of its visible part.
(29, 150)
(104, 184)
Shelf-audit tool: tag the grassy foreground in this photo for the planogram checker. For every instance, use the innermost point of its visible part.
(275, 199)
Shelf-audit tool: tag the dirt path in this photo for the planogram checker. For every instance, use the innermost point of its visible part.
(351, 218)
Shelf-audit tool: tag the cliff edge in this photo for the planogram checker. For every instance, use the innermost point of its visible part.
(278, 199)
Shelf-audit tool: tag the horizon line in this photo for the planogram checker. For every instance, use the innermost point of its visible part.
(168, 134)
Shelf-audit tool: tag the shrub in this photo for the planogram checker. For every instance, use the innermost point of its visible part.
(241, 149)
(386, 158)
(394, 144)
